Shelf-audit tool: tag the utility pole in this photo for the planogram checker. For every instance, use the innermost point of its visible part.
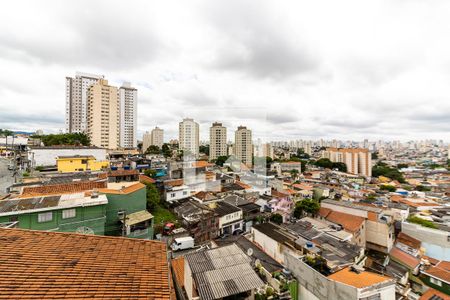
(124, 227)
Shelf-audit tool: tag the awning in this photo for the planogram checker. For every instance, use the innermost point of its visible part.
(137, 217)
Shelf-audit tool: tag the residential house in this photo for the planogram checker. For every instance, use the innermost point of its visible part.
(125, 199)
(55, 265)
(348, 283)
(199, 220)
(77, 163)
(378, 226)
(75, 212)
(230, 217)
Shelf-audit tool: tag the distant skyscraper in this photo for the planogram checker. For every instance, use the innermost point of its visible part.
(263, 150)
(77, 100)
(189, 134)
(243, 148)
(217, 141)
(146, 141)
(103, 115)
(357, 160)
(157, 137)
(128, 115)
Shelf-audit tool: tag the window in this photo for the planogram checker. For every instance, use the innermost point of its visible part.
(45, 217)
(435, 281)
(69, 213)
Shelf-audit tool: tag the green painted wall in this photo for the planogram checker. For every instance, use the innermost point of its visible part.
(130, 203)
(89, 216)
(445, 288)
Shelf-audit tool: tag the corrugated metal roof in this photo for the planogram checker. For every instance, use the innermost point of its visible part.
(222, 272)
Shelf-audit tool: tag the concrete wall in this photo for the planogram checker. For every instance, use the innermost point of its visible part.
(347, 210)
(434, 241)
(380, 234)
(47, 156)
(314, 285)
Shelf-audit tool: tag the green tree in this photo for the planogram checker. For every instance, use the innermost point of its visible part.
(150, 173)
(64, 139)
(422, 188)
(294, 173)
(153, 197)
(340, 166)
(387, 187)
(402, 166)
(382, 169)
(310, 206)
(374, 155)
(204, 149)
(5, 132)
(420, 221)
(324, 163)
(166, 150)
(221, 160)
(153, 149)
(276, 218)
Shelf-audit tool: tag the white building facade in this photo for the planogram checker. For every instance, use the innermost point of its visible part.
(77, 100)
(189, 134)
(128, 116)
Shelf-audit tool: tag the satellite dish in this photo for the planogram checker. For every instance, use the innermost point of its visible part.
(249, 251)
(84, 230)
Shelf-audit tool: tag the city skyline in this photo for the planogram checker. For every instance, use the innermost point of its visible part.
(383, 79)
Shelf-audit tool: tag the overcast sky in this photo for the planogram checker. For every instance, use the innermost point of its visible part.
(287, 70)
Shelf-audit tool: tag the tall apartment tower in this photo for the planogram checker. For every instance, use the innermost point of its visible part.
(189, 135)
(157, 137)
(217, 141)
(358, 160)
(128, 116)
(146, 141)
(77, 100)
(243, 148)
(103, 115)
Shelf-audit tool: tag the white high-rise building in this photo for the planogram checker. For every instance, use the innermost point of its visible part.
(189, 135)
(77, 100)
(243, 148)
(217, 141)
(128, 115)
(157, 137)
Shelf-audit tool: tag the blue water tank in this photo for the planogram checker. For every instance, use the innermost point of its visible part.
(126, 167)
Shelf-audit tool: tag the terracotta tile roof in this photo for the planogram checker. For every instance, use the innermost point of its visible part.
(115, 173)
(174, 182)
(432, 261)
(65, 188)
(404, 258)
(277, 194)
(349, 222)
(178, 270)
(241, 184)
(129, 189)
(202, 164)
(358, 280)
(409, 241)
(324, 212)
(440, 270)
(56, 265)
(146, 179)
(432, 294)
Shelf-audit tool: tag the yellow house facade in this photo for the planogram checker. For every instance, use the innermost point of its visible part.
(79, 163)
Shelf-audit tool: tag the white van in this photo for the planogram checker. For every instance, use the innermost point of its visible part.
(182, 243)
